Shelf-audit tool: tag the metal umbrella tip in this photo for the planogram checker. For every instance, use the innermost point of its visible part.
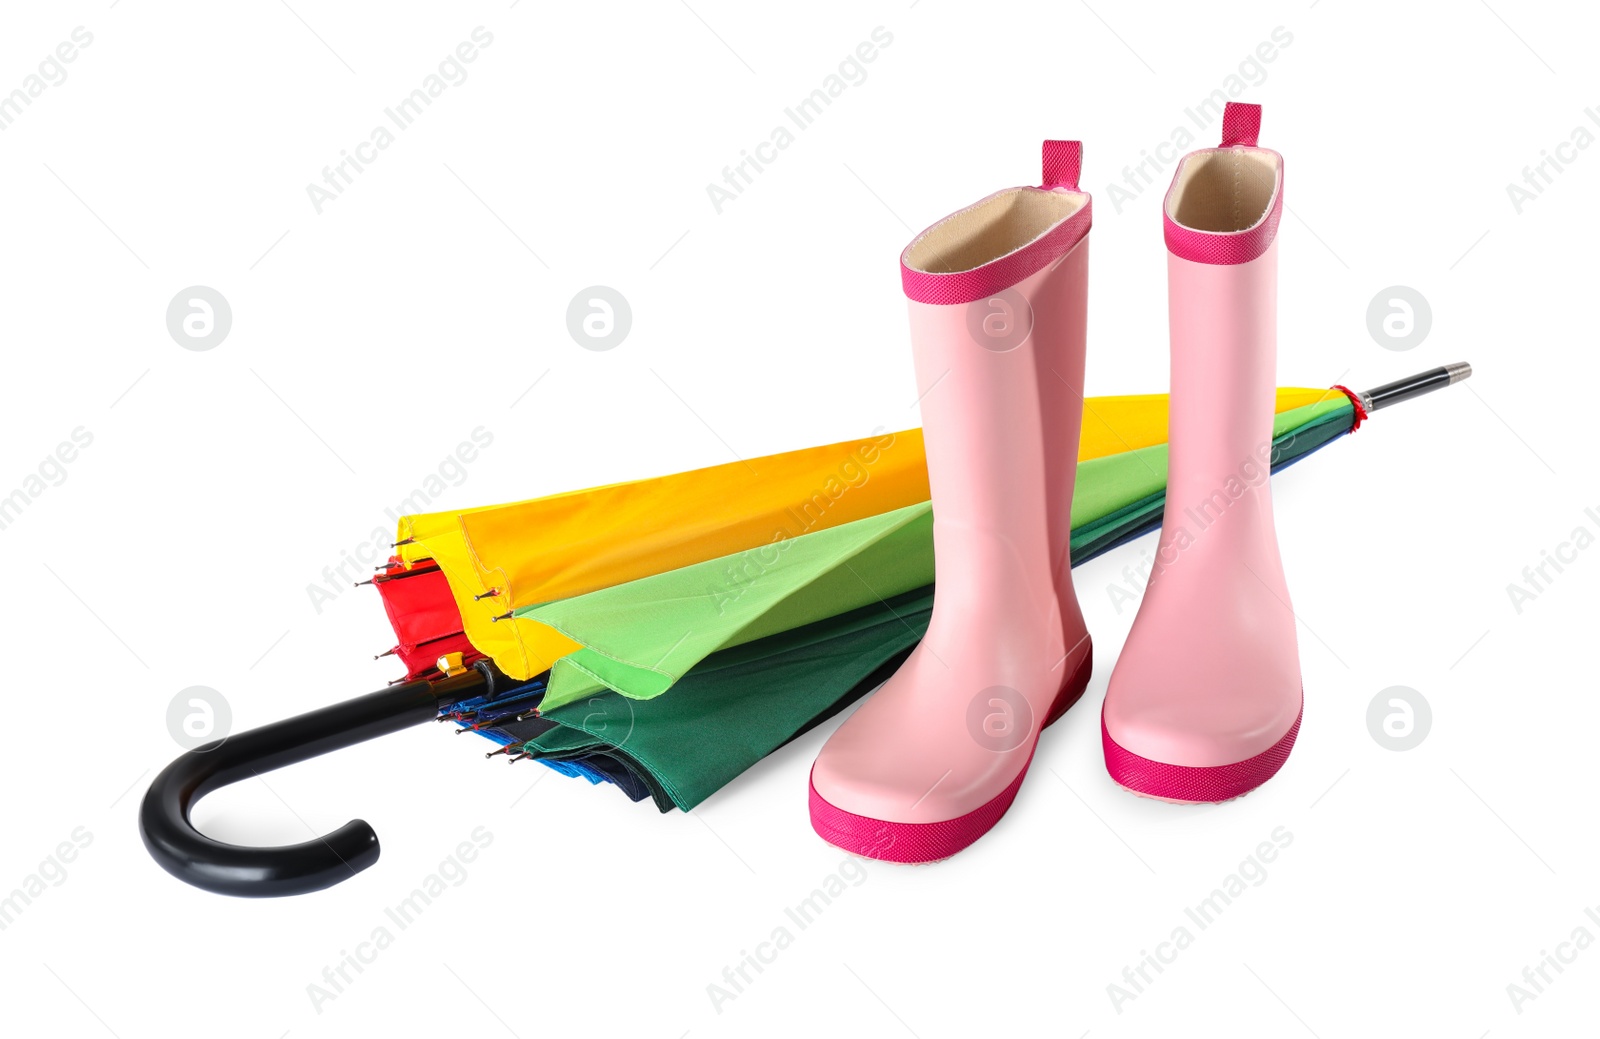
(1458, 371)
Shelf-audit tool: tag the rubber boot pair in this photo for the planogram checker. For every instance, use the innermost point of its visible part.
(1204, 703)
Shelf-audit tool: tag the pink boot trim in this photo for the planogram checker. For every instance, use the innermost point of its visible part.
(930, 842)
(1190, 784)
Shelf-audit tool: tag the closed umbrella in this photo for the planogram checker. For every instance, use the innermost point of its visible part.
(663, 709)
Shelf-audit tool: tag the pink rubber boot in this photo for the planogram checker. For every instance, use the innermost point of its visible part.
(933, 760)
(1205, 701)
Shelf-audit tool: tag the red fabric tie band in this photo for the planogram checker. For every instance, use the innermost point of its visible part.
(1355, 400)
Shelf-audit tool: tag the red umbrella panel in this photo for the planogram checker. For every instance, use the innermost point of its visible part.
(426, 621)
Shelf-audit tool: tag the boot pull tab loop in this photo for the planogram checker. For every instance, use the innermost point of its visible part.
(1061, 163)
(1241, 125)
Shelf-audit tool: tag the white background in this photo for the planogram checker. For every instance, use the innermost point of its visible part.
(369, 339)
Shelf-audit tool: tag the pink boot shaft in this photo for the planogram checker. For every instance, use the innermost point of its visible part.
(997, 302)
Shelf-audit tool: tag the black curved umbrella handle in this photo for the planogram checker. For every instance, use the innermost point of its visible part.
(231, 869)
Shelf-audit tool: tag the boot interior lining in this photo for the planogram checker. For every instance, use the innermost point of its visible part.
(995, 227)
(1226, 190)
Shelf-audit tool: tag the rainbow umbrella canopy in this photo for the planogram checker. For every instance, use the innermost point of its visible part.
(676, 630)
(665, 634)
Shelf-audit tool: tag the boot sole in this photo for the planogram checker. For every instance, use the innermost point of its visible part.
(1190, 784)
(931, 842)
